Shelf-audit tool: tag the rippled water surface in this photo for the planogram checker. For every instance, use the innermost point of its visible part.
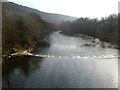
(69, 62)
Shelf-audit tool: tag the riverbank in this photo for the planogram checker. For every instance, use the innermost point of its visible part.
(45, 42)
(19, 34)
(95, 40)
(106, 29)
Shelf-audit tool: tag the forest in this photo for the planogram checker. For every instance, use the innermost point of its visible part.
(106, 29)
(20, 31)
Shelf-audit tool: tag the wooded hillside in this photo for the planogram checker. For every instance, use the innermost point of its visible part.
(22, 31)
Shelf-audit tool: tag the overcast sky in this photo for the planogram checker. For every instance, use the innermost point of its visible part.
(77, 8)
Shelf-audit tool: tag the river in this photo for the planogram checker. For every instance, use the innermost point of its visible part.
(69, 62)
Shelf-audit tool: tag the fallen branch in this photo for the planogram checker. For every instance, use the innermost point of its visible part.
(19, 53)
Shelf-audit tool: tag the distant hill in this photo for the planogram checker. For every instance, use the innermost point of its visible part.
(49, 17)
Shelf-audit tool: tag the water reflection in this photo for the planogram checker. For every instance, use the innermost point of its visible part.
(16, 70)
(69, 73)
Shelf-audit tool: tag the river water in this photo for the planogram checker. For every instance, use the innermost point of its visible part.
(69, 62)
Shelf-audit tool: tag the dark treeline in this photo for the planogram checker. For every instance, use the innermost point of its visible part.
(105, 29)
(21, 31)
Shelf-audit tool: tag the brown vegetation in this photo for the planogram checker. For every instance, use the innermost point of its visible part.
(105, 29)
(21, 31)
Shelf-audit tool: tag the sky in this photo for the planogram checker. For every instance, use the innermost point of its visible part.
(76, 8)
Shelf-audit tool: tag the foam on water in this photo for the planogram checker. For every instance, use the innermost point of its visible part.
(77, 57)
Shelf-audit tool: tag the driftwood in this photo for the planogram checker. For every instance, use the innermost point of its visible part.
(19, 53)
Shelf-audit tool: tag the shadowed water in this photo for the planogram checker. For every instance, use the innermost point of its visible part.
(69, 62)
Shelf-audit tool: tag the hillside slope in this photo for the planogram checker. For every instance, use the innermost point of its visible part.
(49, 17)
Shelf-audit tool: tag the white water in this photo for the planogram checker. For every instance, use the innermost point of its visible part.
(78, 47)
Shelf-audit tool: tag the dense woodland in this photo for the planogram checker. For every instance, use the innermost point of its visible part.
(22, 31)
(105, 29)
